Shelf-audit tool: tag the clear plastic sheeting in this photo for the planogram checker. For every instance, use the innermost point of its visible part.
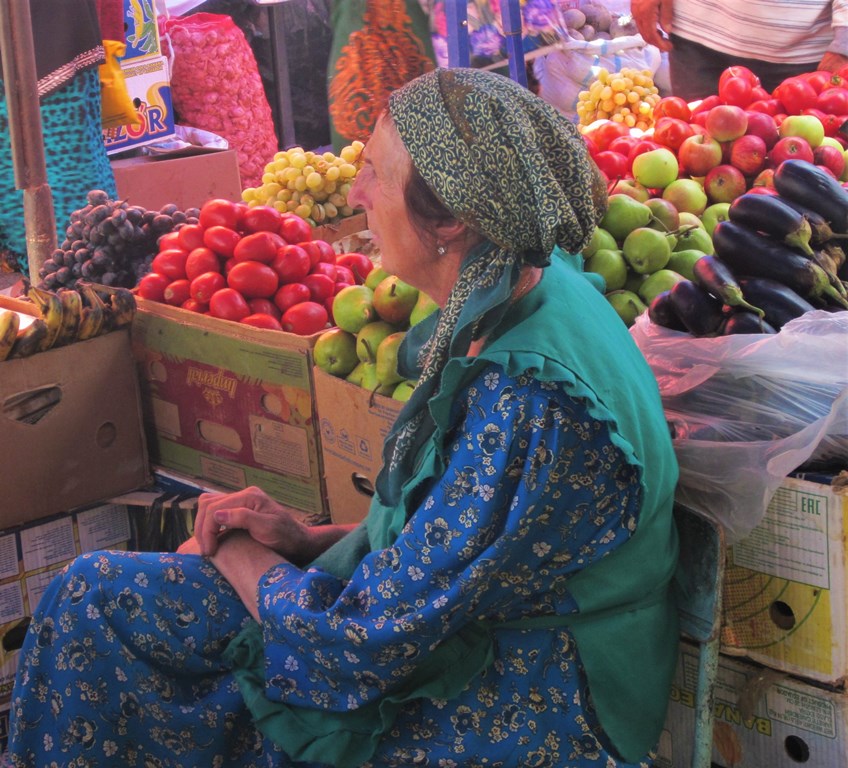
(746, 410)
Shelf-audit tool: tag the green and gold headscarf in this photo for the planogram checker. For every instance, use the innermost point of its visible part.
(516, 171)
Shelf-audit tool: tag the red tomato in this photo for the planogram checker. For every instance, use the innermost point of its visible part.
(623, 144)
(735, 91)
(758, 93)
(261, 320)
(291, 294)
(612, 164)
(294, 229)
(817, 113)
(228, 304)
(202, 260)
(169, 240)
(833, 101)
(190, 236)
(194, 306)
(832, 124)
(644, 145)
(261, 218)
(821, 79)
(259, 246)
(604, 134)
(319, 250)
(344, 275)
(590, 145)
(152, 286)
(265, 307)
(177, 292)
(323, 268)
(229, 264)
(305, 318)
(203, 286)
(796, 94)
(219, 213)
(705, 105)
(672, 106)
(767, 106)
(739, 71)
(170, 263)
(320, 287)
(222, 240)
(253, 280)
(671, 132)
(358, 263)
(292, 263)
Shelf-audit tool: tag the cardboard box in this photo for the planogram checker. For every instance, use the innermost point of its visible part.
(763, 719)
(786, 584)
(229, 403)
(187, 180)
(70, 428)
(142, 30)
(354, 423)
(149, 86)
(32, 554)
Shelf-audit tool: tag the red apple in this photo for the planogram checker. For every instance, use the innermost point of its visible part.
(606, 132)
(724, 184)
(765, 178)
(828, 171)
(726, 122)
(830, 157)
(623, 144)
(762, 191)
(762, 125)
(807, 127)
(748, 154)
(613, 164)
(671, 132)
(698, 154)
(790, 147)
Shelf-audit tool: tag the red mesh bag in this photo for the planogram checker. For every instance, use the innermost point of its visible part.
(216, 86)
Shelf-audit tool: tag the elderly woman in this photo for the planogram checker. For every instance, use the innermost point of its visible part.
(506, 601)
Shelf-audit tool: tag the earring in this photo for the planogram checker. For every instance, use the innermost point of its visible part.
(441, 250)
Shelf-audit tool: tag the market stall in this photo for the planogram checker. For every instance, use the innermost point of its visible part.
(224, 320)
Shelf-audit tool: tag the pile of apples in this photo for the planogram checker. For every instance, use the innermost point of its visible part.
(728, 143)
(252, 265)
(371, 322)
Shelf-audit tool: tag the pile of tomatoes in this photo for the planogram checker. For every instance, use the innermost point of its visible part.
(252, 265)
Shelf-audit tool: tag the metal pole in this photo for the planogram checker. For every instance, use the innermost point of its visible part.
(22, 103)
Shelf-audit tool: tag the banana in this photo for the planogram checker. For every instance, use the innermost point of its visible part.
(10, 322)
(93, 319)
(122, 302)
(50, 306)
(71, 316)
(29, 340)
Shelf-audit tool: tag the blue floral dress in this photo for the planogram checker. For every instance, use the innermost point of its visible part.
(122, 663)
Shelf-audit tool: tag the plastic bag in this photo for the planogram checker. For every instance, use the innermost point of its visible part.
(573, 65)
(746, 410)
(216, 86)
(116, 104)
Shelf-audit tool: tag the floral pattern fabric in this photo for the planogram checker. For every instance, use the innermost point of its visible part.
(123, 658)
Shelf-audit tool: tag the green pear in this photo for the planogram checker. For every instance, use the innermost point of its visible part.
(683, 261)
(424, 307)
(394, 300)
(624, 214)
(627, 304)
(656, 283)
(688, 219)
(664, 215)
(600, 239)
(713, 215)
(335, 352)
(387, 359)
(610, 265)
(697, 238)
(375, 277)
(353, 308)
(403, 390)
(369, 338)
(646, 250)
(634, 280)
(365, 376)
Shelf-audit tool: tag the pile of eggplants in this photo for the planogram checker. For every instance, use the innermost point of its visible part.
(776, 257)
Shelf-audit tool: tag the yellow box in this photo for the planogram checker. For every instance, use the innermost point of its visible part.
(785, 599)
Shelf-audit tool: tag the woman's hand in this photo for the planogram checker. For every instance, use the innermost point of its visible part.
(653, 20)
(267, 521)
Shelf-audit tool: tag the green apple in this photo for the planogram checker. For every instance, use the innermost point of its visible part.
(646, 250)
(807, 127)
(387, 359)
(713, 214)
(369, 338)
(656, 168)
(335, 352)
(687, 195)
(829, 141)
(394, 300)
(353, 308)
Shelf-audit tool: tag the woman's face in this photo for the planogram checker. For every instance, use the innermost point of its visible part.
(379, 189)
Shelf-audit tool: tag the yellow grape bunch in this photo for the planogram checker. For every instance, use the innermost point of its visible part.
(313, 185)
(627, 96)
